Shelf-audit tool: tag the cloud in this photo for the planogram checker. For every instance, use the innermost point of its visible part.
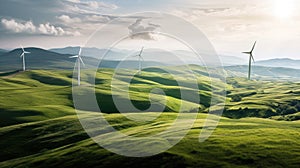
(138, 31)
(18, 27)
(232, 12)
(233, 22)
(97, 18)
(92, 4)
(96, 5)
(27, 27)
(88, 7)
(49, 29)
(68, 19)
(71, 16)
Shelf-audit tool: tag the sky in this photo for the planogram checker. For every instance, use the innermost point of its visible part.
(231, 26)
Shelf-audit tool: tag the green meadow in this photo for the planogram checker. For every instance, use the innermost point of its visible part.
(40, 128)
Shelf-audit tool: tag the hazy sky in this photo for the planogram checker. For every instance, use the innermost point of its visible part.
(231, 26)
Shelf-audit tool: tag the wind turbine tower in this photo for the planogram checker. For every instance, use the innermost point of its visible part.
(79, 61)
(140, 60)
(23, 57)
(251, 58)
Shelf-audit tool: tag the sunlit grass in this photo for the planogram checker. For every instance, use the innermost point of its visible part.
(39, 126)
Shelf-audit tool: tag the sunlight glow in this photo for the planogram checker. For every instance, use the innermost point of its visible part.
(283, 9)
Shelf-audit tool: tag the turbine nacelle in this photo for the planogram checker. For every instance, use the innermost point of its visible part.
(24, 52)
(78, 56)
(140, 54)
(250, 52)
(140, 57)
(247, 52)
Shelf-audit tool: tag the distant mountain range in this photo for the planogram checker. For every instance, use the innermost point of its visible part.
(59, 59)
(90, 52)
(44, 59)
(280, 62)
(264, 72)
(116, 54)
(169, 58)
(2, 51)
(38, 58)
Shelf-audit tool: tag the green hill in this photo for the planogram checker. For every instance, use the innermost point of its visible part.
(262, 98)
(39, 127)
(50, 90)
(61, 142)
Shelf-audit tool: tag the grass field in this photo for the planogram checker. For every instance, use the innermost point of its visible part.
(39, 126)
(61, 142)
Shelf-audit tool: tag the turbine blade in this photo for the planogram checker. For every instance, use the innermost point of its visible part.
(22, 55)
(246, 52)
(75, 56)
(253, 47)
(22, 48)
(142, 58)
(27, 52)
(252, 58)
(81, 61)
(141, 51)
(79, 51)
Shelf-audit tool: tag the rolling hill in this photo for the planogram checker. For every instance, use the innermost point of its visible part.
(2, 51)
(39, 127)
(263, 99)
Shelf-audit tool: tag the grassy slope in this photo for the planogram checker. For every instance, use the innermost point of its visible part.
(23, 98)
(261, 98)
(250, 141)
(39, 127)
(42, 94)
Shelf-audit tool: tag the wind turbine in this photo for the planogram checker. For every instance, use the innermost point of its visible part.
(79, 60)
(251, 58)
(23, 57)
(140, 59)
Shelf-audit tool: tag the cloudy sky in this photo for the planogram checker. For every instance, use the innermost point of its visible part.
(231, 26)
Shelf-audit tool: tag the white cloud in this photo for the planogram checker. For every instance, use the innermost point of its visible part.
(97, 18)
(138, 31)
(91, 7)
(49, 29)
(74, 1)
(18, 27)
(68, 19)
(95, 5)
(28, 27)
